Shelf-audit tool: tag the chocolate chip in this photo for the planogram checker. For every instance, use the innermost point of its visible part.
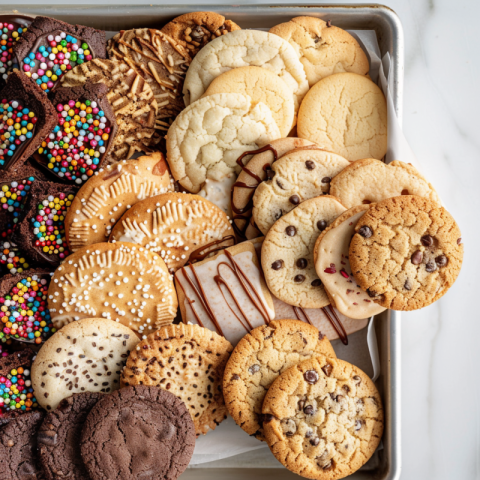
(280, 184)
(197, 33)
(427, 241)
(328, 466)
(299, 278)
(346, 388)
(431, 266)
(357, 379)
(326, 180)
(301, 404)
(277, 264)
(370, 293)
(321, 225)
(367, 202)
(290, 434)
(321, 336)
(358, 425)
(327, 369)
(302, 263)
(459, 241)
(405, 192)
(314, 441)
(441, 260)
(47, 437)
(291, 231)
(316, 283)
(339, 398)
(310, 165)
(278, 215)
(309, 410)
(294, 199)
(254, 369)
(270, 173)
(365, 232)
(407, 285)
(267, 418)
(417, 257)
(235, 377)
(311, 376)
(308, 433)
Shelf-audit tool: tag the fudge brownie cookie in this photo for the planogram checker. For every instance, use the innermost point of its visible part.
(188, 361)
(59, 437)
(296, 177)
(323, 418)
(118, 281)
(18, 448)
(322, 48)
(345, 113)
(84, 356)
(258, 359)
(138, 433)
(195, 29)
(406, 253)
(369, 181)
(287, 252)
(105, 197)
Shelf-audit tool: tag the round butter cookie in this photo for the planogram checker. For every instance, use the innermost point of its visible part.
(345, 113)
(287, 252)
(258, 359)
(322, 48)
(370, 181)
(296, 177)
(119, 281)
(406, 253)
(243, 48)
(105, 197)
(323, 418)
(84, 356)
(188, 361)
(260, 85)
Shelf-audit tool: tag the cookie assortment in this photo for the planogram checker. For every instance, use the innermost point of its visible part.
(145, 298)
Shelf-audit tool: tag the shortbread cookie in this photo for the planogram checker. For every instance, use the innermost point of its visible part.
(323, 418)
(333, 267)
(84, 356)
(195, 29)
(208, 136)
(261, 85)
(258, 359)
(102, 201)
(345, 113)
(118, 281)
(243, 48)
(296, 177)
(322, 48)
(188, 361)
(225, 293)
(370, 181)
(287, 252)
(406, 253)
(137, 433)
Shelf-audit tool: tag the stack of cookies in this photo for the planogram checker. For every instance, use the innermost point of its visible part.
(188, 216)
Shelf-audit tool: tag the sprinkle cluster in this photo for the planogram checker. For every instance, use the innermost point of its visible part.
(23, 312)
(12, 199)
(16, 392)
(17, 124)
(74, 148)
(10, 34)
(11, 258)
(62, 53)
(49, 226)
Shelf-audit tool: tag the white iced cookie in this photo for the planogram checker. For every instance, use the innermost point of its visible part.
(243, 48)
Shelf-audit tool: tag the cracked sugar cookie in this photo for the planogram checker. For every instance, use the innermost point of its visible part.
(243, 48)
(296, 177)
(345, 113)
(406, 253)
(323, 418)
(118, 281)
(369, 181)
(188, 361)
(104, 198)
(322, 48)
(287, 252)
(258, 359)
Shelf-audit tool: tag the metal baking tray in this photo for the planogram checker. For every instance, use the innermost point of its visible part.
(389, 32)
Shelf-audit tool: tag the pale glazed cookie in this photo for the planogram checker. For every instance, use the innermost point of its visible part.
(225, 293)
(84, 356)
(173, 225)
(243, 48)
(118, 281)
(322, 48)
(105, 197)
(406, 252)
(287, 252)
(259, 358)
(333, 267)
(131, 99)
(370, 181)
(188, 361)
(206, 139)
(195, 29)
(345, 113)
(297, 176)
(323, 418)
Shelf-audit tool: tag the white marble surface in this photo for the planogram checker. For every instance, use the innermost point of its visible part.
(440, 352)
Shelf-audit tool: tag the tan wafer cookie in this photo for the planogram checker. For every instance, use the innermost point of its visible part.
(105, 197)
(118, 281)
(172, 225)
(323, 418)
(188, 361)
(258, 359)
(131, 99)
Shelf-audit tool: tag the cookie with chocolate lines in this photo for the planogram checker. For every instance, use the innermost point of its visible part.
(188, 361)
(258, 359)
(406, 252)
